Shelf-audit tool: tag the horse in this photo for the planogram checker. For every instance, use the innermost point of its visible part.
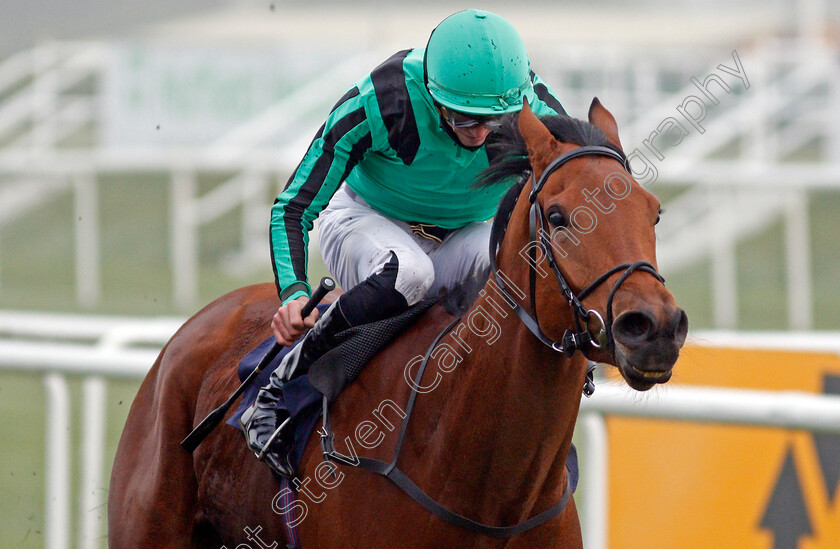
(493, 413)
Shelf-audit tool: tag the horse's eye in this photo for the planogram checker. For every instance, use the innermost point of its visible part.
(556, 218)
(658, 216)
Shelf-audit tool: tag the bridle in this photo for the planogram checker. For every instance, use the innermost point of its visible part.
(572, 341)
(580, 338)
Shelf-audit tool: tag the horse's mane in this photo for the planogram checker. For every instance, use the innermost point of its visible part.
(509, 156)
(458, 299)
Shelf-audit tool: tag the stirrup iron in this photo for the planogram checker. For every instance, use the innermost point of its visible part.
(270, 441)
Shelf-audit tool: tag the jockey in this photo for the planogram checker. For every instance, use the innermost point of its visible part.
(394, 166)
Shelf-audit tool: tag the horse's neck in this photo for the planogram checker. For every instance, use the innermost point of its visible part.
(500, 424)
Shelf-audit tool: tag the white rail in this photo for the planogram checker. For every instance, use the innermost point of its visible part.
(98, 348)
(780, 409)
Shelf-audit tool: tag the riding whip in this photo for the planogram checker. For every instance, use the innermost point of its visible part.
(191, 442)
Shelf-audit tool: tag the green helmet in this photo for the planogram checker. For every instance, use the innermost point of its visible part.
(476, 63)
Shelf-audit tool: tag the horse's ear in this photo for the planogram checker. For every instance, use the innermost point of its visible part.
(602, 119)
(539, 140)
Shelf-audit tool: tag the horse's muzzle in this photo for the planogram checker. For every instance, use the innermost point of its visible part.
(647, 347)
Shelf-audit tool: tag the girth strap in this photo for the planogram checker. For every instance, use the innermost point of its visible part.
(407, 485)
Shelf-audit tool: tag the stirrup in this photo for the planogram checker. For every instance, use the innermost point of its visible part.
(270, 441)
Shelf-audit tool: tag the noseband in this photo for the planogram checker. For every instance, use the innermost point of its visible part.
(579, 338)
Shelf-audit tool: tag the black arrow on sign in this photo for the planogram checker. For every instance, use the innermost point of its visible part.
(828, 446)
(786, 515)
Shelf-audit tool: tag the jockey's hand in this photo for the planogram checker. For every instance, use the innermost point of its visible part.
(287, 323)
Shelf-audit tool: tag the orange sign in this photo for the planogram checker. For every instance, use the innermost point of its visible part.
(687, 485)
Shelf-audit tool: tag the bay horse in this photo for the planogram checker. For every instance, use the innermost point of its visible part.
(492, 423)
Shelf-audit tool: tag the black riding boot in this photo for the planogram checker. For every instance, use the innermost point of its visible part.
(318, 340)
(376, 298)
(260, 422)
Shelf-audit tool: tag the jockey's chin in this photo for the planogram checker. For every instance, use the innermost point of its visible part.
(472, 137)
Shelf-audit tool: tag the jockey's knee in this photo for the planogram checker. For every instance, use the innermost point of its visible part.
(402, 281)
(481, 263)
(415, 275)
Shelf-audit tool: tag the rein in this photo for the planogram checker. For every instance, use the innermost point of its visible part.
(571, 342)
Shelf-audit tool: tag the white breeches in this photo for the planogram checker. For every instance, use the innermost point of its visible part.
(357, 241)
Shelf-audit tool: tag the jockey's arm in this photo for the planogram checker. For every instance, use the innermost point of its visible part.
(338, 146)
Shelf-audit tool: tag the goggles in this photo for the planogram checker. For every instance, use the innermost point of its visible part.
(461, 120)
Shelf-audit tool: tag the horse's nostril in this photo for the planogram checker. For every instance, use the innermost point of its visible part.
(678, 327)
(634, 327)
